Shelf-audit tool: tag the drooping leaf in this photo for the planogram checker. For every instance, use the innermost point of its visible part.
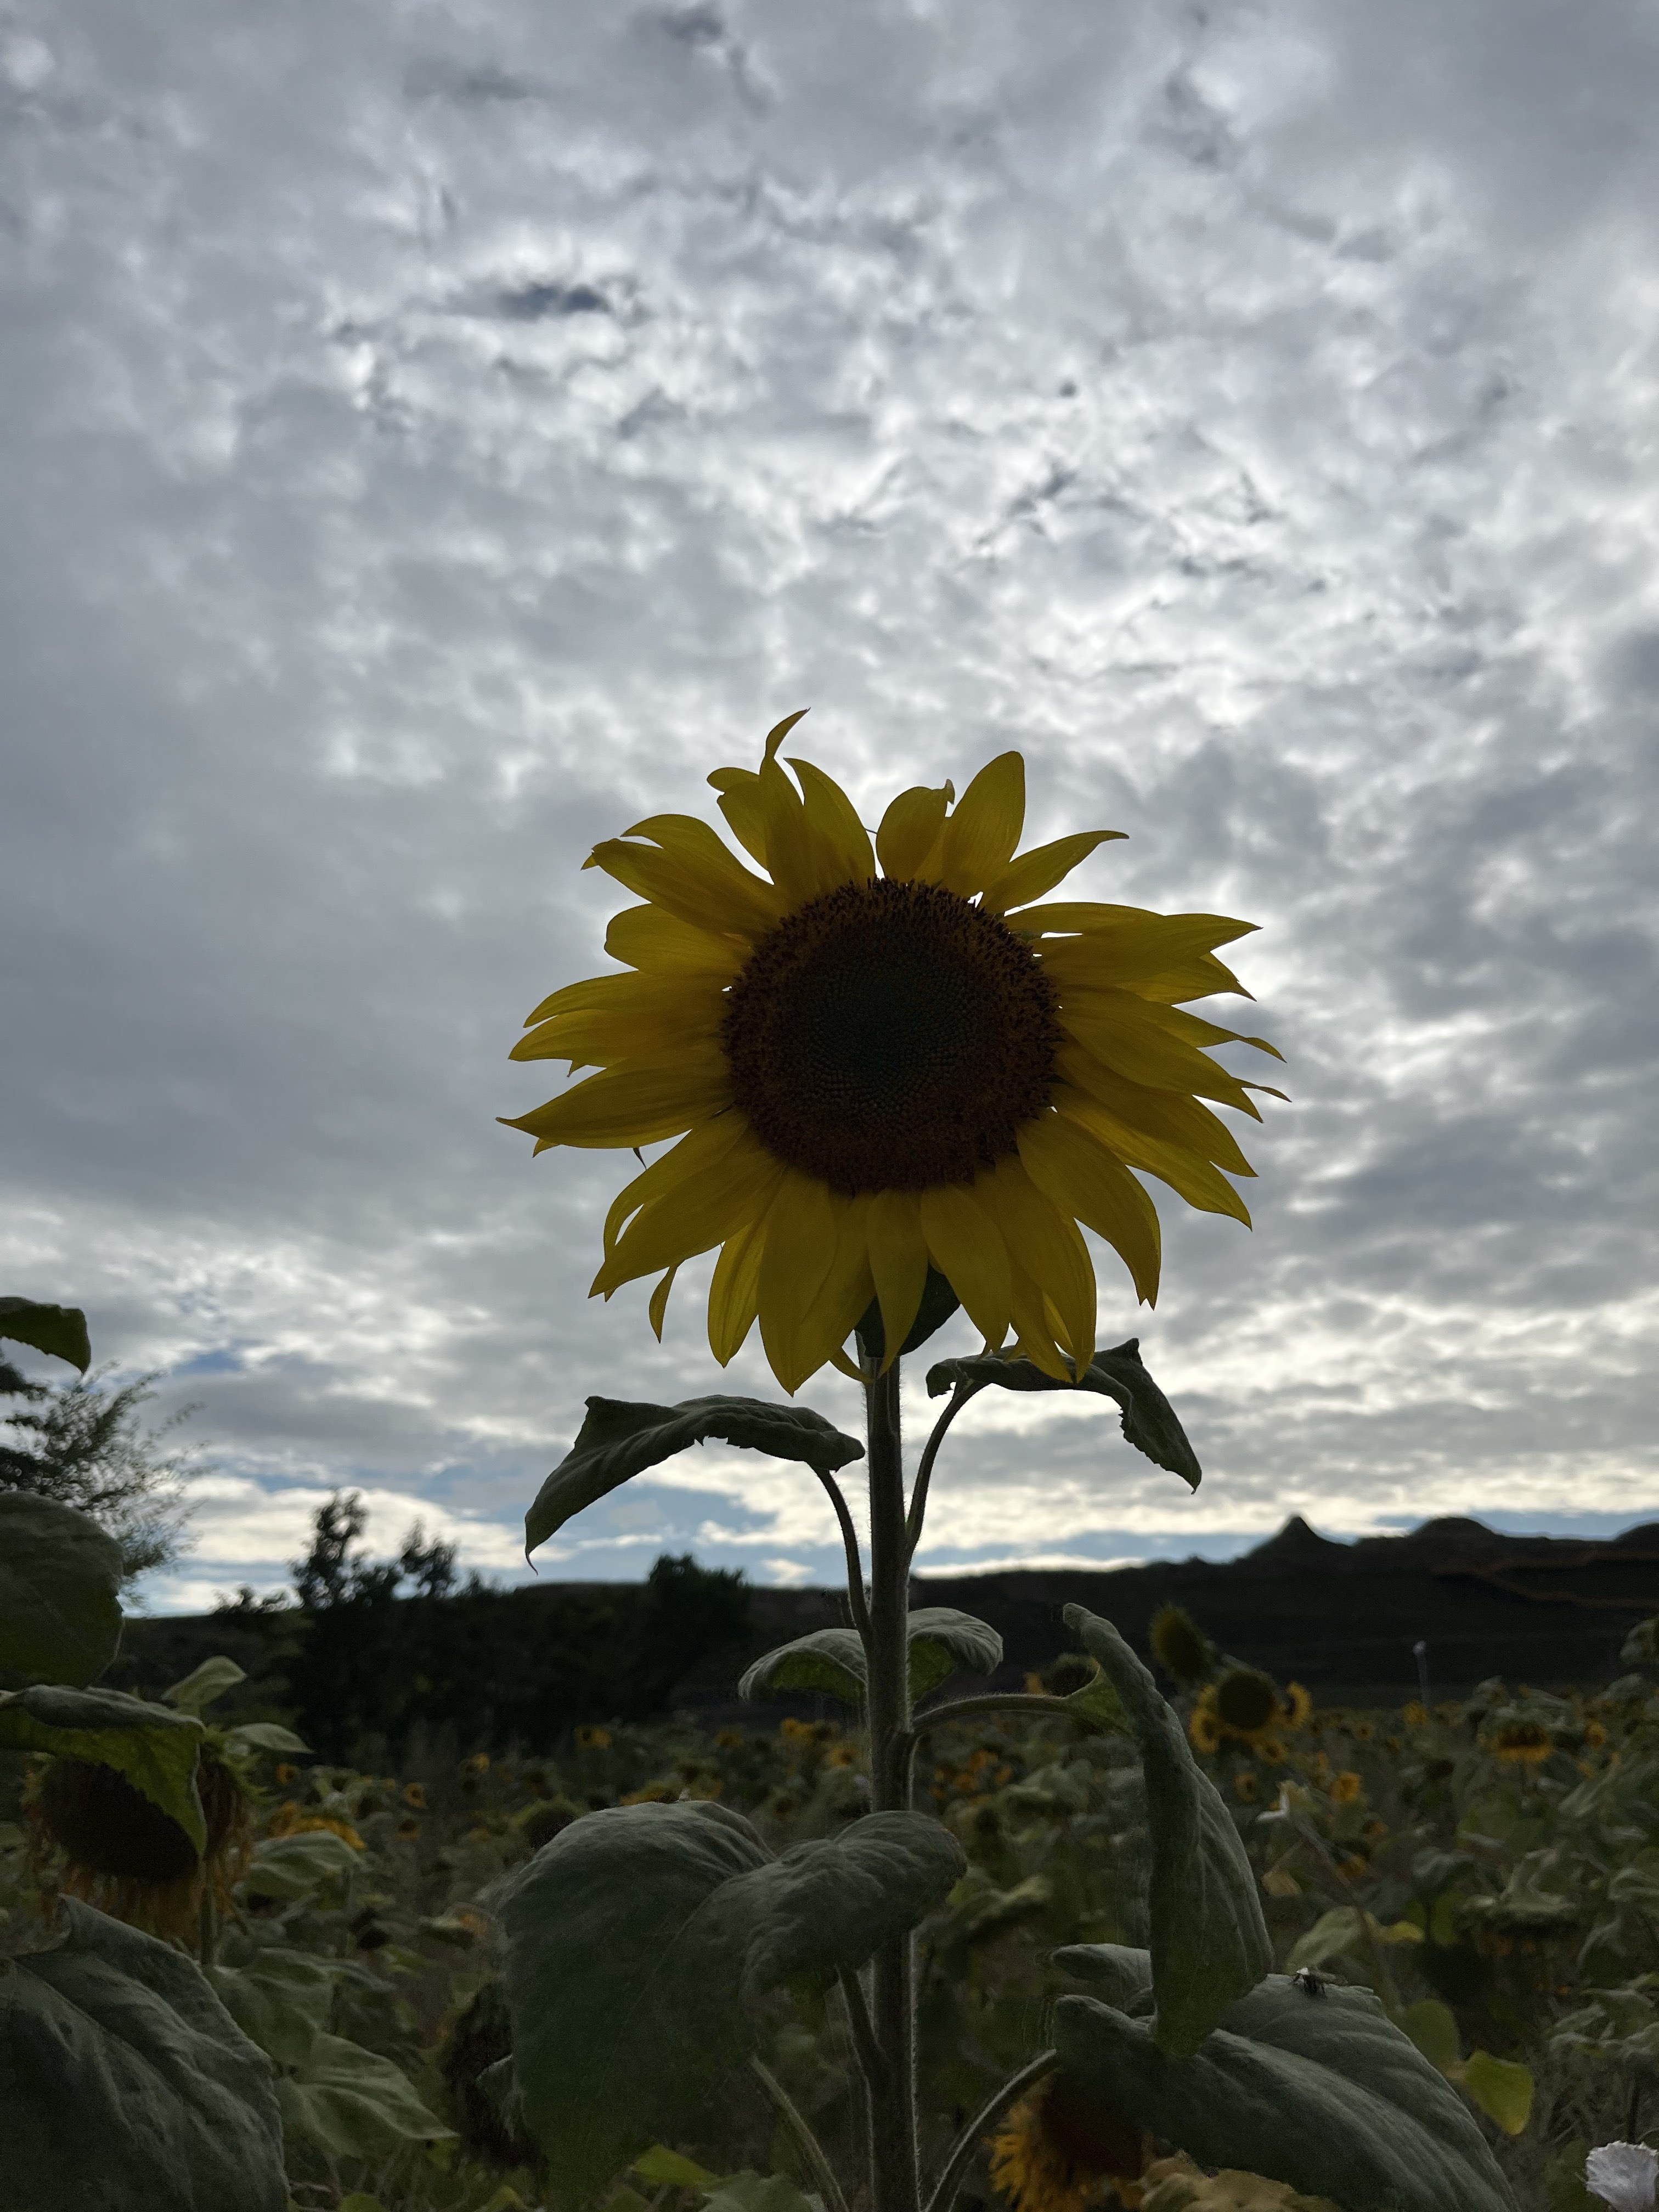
(126, 2083)
(1341, 1933)
(620, 1439)
(1325, 2093)
(267, 1736)
(293, 1866)
(1209, 1942)
(942, 1640)
(281, 2000)
(352, 2103)
(60, 1577)
(204, 1683)
(154, 1747)
(639, 1939)
(830, 1663)
(1149, 1419)
(58, 1331)
(1119, 1974)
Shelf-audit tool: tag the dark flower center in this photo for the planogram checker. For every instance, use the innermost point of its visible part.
(890, 1036)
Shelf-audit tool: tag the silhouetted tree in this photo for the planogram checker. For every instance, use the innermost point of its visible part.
(84, 1444)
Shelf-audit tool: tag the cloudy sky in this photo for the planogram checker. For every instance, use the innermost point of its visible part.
(434, 437)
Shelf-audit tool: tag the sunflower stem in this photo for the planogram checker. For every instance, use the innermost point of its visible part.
(969, 2141)
(914, 1519)
(894, 2173)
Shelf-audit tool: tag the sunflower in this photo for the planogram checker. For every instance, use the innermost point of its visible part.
(878, 1058)
(107, 1843)
(1061, 2148)
(1180, 1646)
(1246, 1704)
(1347, 1789)
(1299, 1709)
(1203, 1728)
(1521, 1743)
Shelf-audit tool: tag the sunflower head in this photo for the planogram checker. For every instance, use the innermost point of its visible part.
(1297, 1709)
(1346, 1788)
(1181, 1647)
(1203, 1728)
(1060, 2150)
(886, 1063)
(1520, 1743)
(1247, 1703)
(110, 1844)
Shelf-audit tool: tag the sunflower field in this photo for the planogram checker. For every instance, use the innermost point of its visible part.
(1490, 1868)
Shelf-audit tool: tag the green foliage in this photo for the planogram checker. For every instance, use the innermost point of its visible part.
(58, 1331)
(830, 1660)
(1209, 1941)
(1149, 1419)
(1325, 2093)
(86, 1446)
(641, 1938)
(129, 2085)
(619, 1439)
(352, 2103)
(154, 1747)
(204, 1683)
(60, 1577)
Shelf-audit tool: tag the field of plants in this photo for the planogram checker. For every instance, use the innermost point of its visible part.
(1490, 1869)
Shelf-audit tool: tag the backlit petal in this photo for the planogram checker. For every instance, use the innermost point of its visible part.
(1095, 1188)
(800, 1245)
(734, 1293)
(630, 1105)
(910, 829)
(1192, 1178)
(832, 816)
(1041, 869)
(1166, 1114)
(968, 1251)
(701, 879)
(845, 1291)
(659, 1305)
(659, 944)
(898, 1264)
(693, 1216)
(740, 803)
(1047, 1247)
(982, 834)
(701, 1148)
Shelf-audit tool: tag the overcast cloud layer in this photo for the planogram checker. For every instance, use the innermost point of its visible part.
(434, 439)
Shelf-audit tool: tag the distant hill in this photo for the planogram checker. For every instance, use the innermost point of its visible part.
(1341, 1618)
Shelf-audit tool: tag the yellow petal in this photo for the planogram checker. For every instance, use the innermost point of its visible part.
(1200, 976)
(700, 879)
(598, 1038)
(898, 1265)
(832, 815)
(740, 803)
(910, 829)
(801, 859)
(1088, 918)
(701, 1148)
(1162, 1113)
(1041, 869)
(845, 1291)
(734, 1294)
(696, 1214)
(1033, 1338)
(659, 1305)
(780, 731)
(621, 994)
(1046, 1246)
(800, 1245)
(1094, 1187)
(1137, 944)
(1138, 1039)
(1191, 1177)
(647, 938)
(629, 1106)
(970, 1253)
(980, 835)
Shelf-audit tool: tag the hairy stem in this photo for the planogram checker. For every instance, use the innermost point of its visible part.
(914, 1519)
(806, 2143)
(969, 2141)
(896, 2186)
(858, 2019)
(849, 1538)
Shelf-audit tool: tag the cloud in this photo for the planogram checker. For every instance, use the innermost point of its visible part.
(435, 441)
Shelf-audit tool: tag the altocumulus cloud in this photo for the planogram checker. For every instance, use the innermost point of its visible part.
(434, 438)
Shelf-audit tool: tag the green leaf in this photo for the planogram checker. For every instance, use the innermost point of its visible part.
(1432, 2027)
(281, 2000)
(60, 1574)
(352, 2103)
(154, 1747)
(1324, 2093)
(1099, 1705)
(293, 1866)
(1341, 1933)
(942, 1640)
(758, 2192)
(204, 1683)
(665, 2169)
(939, 1302)
(266, 1736)
(639, 1940)
(620, 1439)
(1209, 1941)
(127, 2084)
(1121, 1975)
(830, 1662)
(1149, 1420)
(58, 1331)
(1502, 2088)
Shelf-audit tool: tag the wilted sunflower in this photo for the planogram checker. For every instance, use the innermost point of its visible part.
(1180, 1646)
(878, 1058)
(107, 1842)
(1062, 2146)
(1247, 1704)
